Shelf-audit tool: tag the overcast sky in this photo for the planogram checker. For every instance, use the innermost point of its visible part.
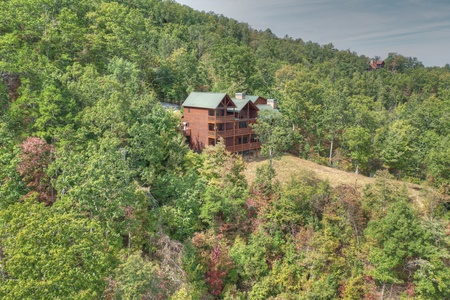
(415, 28)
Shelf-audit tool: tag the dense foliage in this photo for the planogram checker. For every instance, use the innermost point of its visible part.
(100, 196)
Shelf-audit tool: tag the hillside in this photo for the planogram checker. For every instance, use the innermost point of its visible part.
(101, 198)
(290, 165)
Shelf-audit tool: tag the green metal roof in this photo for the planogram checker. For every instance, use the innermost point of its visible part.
(265, 107)
(251, 98)
(239, 104)
(204, 100)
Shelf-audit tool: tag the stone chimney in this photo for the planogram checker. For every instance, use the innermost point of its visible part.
(240, 96)
(272, 102)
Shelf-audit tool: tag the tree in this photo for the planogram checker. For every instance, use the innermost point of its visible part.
(98, 182)
(396, 146)
(334, 108)
(274, 134)
(138, 278)
(394, 239)
(358, 141)
(49, 253)
(438, 160)
(36, 156)
(225, 188)
(232, 67)
(12, 187)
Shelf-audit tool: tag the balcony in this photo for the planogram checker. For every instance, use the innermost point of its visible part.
(226, 133)
(221, 119)
(222, 133)
(244, 147)
(212, 133)
(241, 131)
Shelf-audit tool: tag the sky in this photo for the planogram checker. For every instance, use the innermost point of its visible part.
(414, 28)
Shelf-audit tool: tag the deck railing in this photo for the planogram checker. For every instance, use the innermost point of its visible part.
(244, 147)
(220, 118)
(241, 131)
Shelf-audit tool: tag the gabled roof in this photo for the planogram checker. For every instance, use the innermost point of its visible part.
(205, 100)
(252, 98)
(240, 104)
(376, 64)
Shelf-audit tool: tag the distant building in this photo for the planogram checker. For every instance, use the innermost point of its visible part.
(211, 116)
(170, 106)
(375, 64)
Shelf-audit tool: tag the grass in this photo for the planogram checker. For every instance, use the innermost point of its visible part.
(289, 166)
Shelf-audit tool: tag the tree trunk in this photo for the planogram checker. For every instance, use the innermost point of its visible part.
(382, 292)
(331, 147)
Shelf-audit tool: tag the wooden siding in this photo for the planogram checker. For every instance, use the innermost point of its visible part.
(197, 118)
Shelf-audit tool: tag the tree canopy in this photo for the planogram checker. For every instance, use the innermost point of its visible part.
(100, 196)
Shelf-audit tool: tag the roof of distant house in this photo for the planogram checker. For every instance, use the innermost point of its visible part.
(204, 100)
(376, 64)
(170, 106)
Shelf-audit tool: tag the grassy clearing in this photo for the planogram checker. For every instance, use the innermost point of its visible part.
(289, 166)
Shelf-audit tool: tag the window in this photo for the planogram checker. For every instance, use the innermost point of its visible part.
(243, 125)
(211, 127)
(245, 140)
(211, 112)
(189, 110)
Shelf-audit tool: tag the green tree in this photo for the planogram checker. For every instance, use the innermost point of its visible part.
(394, 239)
(49, 253)
(137, 278)
(225, 187)
(274, 134)
(358, 141)
(438, 160)
(396, 146)
(98, 182)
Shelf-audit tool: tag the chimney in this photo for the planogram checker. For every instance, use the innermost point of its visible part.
(272, 102)
(240, 96)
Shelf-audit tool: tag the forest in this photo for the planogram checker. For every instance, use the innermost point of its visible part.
(101, 197)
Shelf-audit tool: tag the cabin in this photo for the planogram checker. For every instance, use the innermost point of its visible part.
(376, 64)
(211, 116)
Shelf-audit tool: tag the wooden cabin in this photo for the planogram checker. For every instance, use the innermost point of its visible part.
(211, 116)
